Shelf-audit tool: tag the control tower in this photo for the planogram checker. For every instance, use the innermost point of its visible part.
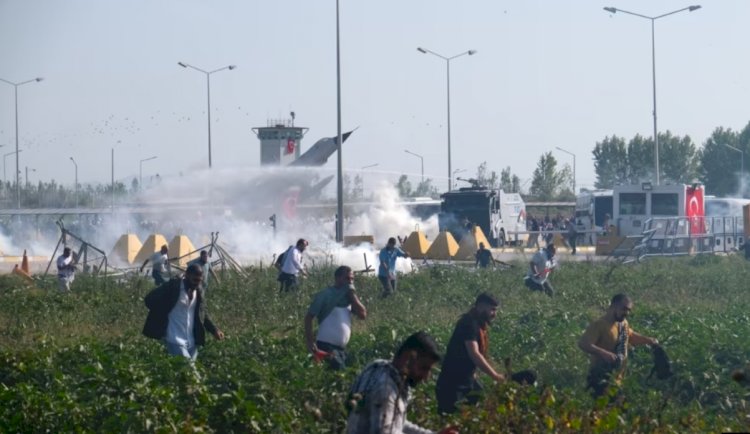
(280, 141)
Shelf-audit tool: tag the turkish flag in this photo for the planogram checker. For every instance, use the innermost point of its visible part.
(694, 210)
(290, 146)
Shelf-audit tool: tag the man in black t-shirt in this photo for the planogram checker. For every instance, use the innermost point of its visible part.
(467, 351)
(484, 257)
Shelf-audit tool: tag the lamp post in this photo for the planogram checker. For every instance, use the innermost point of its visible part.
(5, 178)
(76, 179)
(742, 168)
(574, 166)
(653, 70)
(421, 159)
(27, 176)
(208, 91)
(15, 92)
(448, 82)
(339, 139)
(140, 170)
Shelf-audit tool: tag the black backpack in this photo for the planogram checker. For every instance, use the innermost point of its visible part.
(662, 367)
(280, 259)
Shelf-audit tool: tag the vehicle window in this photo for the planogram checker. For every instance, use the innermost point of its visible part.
(632, 203)
(664, 204)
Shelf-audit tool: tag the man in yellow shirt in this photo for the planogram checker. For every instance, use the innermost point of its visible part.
(606, 340)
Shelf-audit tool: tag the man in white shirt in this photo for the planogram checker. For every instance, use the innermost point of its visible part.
(333, 307)
(160, 268)
(177, 315)
(292, 266)
(66, 270)
(541, 266)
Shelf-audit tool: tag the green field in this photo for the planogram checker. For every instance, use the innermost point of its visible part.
(78, 363)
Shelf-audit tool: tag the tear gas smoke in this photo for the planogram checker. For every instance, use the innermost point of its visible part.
(237, 203)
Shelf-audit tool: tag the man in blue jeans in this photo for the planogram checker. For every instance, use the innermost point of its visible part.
(387, 269)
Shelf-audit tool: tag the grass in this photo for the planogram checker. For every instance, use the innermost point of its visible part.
(77, 362)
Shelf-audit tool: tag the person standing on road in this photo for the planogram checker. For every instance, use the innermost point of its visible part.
(159, 265)
(468, 349)
(379, 398)
(66, 270)
(177, 315)
(606, 340)
(333, 307)
(387, 269)
(293, 266)
(484, 257)
(541, 265)
(572, 235)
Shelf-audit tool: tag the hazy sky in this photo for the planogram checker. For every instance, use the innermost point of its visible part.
(547, 73)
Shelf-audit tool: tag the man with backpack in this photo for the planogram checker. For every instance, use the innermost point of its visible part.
(290, 266)
(606, 340)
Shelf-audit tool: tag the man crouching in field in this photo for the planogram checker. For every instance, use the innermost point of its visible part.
(606, 340)
(176, 315)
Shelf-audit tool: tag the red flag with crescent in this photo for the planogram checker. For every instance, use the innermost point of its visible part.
(290, 146)
(694, 209)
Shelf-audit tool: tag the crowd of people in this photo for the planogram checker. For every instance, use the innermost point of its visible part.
(379, 397)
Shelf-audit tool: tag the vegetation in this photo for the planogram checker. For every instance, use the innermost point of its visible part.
(78, 363)
(715, 163)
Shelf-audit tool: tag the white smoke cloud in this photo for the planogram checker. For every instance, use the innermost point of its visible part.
(237, 203)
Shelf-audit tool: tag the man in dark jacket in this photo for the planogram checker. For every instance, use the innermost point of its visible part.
(177, 315)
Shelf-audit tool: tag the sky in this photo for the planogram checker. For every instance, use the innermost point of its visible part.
(546, 74)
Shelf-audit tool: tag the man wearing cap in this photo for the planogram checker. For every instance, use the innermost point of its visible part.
(540, 267)
(606, 341)
(177, 315)
(333, 307)
(468, 349)
(66, 270)
(387, 269)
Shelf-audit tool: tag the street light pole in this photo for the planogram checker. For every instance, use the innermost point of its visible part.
(421, 159)
(742, 168)
(208, 93)
(76, 179)
(5, 178)
(140, 171)
(653, 69)
(339, 158)
(15, 92)
(574, 166)
(448, 83)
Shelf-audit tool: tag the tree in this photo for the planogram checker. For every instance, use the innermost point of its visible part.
(403, 186)
(509, 182)
(489, 180)
(610, 162)
(640, 159)
(678, 159)
(426, 189)
(547, 182)
(719, 177)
